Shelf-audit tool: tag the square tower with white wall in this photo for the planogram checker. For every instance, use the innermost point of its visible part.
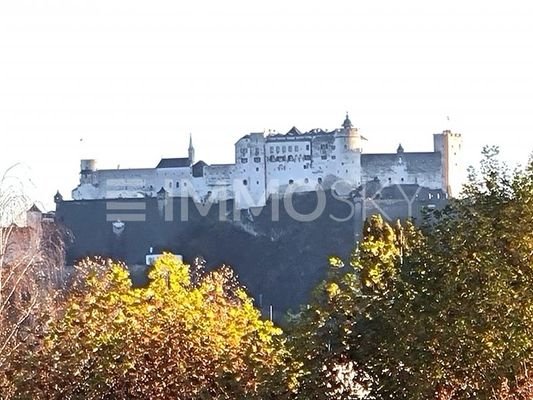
(450, 146)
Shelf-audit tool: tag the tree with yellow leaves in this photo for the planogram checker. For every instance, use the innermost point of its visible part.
(180, 337)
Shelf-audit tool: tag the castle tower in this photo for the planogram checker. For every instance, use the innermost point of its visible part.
(191, 150)
(449, 145)
(348, 148)
(355, 140)
(34, 217)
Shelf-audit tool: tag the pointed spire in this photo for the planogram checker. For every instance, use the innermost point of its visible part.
(347, 124)
(191, 150)
(400, 149)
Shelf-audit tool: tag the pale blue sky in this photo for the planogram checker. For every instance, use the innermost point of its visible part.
(133, 78)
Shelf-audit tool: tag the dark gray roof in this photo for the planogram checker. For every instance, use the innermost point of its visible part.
(174, 163)
(428, 162)
(198, 169)
(294, 131)
(34, 208)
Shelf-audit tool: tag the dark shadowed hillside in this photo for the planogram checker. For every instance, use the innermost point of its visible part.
(278, 258)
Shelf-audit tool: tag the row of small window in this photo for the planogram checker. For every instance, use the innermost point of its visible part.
(306, 180)
(291, 181)
(284, 148)
(170, 185)
(244, 151)
(290, 157)
(244, 160)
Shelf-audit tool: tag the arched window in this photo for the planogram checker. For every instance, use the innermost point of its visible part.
(245, 182)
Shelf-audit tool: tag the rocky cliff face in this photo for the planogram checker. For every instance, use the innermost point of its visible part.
(277, 254)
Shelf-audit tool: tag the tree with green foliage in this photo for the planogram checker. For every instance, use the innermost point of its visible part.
(444, 312)
(183, 336)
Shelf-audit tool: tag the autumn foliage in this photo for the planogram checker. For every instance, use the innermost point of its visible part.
(177, 338)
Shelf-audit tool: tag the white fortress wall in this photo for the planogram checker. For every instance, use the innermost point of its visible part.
(277, 163)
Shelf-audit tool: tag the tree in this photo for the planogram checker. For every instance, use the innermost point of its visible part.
(444, 312)
(344, 326)
(31, 262)
(179, 338)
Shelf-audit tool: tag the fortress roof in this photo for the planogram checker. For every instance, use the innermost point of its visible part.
(174, 163)
(415, 162)
(295, 133)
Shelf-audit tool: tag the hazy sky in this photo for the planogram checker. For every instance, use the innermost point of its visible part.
(125, 81)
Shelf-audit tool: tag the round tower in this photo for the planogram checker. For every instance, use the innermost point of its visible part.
(348, 153)
(87, 170)
(354, 140)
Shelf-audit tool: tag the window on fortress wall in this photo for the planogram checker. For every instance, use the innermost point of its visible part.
(257, 169)
(271, 149)
(257, 159)
(272, 158)
(296, 148)
(284, 149)
(177, 185)
(290, 149)
(243, 152)
(333, 157)
(291, 157)
(320, 181)
(307, 147)
(291, 181)
(256, 152)
(306, 166)
(332, 147)
(324, 157)
(277, 149)
(402, 179)
(307, 157)
(323, 146)
(170, 185)
(245, 182)
(244, 160)
(306, 180)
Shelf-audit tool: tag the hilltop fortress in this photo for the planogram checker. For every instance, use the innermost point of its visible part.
(279, 257)
(272, 164)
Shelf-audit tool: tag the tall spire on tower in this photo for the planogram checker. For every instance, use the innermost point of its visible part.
(191, 150)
